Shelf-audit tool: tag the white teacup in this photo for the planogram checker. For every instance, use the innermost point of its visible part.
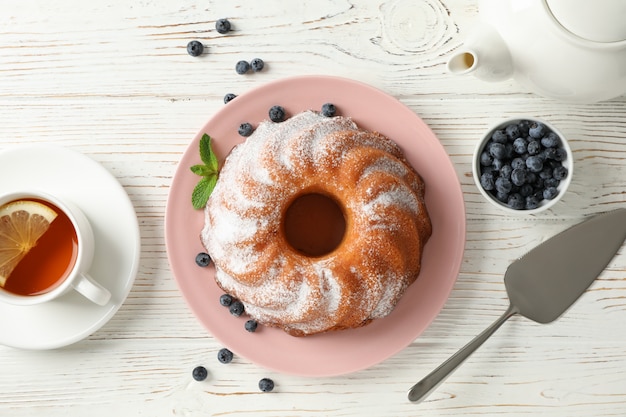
(76, 271)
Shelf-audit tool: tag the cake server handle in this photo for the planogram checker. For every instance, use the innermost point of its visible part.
(431, 381)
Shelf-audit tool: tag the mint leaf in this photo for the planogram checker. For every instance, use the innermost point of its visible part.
(202, 191)
(206, 152)
(202, 170)
(208, 171)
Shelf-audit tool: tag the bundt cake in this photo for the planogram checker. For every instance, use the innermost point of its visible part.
(316, 225)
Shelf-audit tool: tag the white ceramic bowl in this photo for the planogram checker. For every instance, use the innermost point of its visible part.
(544, 204)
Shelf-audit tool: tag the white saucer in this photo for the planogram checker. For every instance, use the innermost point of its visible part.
(104, 201)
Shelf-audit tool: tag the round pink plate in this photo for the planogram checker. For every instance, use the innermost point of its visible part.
(339, 352)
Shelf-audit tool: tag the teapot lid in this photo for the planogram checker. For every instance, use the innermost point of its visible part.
(598, 20)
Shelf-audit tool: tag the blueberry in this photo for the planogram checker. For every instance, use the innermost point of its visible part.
(266, 385)
(229, 97)
(503, 185)
(509, 150)
(513, 131)
(195, 48)
(226, 300)
(560, 154)
(277, 114)
(486, 159)
(520, 146)
(242, 67)
(538, 183)
(545, 173)
(236, 308)
(534, 163)
(502, 197)
(526, 190)
(497, 150)
(203, 259)
(553, 164)
(523, 126)
(551, 182)
(222, 26)
(328, 110)
(497, 164)
(245, 129)
(518, 163)
(516, 201)
(549, 154)
(534, 147)
(505, 171)
(532, 202)
(487, 181)
(536, 130)
(551, 140)
(519, 176)
(550, 192)
(199, 373)
(499, 136)
(559, 173)
(489, 170)
(224, 355)
(257, 64)
(251, 325)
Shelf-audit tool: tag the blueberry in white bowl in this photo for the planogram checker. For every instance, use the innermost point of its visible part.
(523, 165)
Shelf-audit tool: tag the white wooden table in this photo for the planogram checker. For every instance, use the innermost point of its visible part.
(112, 79)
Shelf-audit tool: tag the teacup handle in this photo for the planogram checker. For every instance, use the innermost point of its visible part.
(91, 290)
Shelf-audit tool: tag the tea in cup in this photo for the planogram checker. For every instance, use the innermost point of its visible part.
(46, 249)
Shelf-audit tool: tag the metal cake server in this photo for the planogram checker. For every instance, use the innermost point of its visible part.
(545, 282)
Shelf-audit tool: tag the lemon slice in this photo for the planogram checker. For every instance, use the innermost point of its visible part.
(22, 223)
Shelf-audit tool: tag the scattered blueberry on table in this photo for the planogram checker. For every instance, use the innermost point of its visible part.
(266, 385)
(224, 355)
(242, 67)
(222, 26)
(521, 164)
(257, 64)
(195, 48)
(200, 373)
(229, 97)
(203, 259)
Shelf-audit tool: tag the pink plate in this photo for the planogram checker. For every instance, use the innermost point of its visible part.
(339, 352)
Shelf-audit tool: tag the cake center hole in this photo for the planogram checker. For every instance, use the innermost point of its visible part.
(314, 224)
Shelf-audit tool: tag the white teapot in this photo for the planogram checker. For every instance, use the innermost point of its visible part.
(570, 50)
